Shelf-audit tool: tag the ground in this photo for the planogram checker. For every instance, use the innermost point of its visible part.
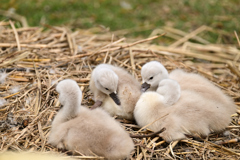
(34, 59)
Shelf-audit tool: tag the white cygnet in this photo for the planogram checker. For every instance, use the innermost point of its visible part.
(187, 81)
(89, 132)
(191, 114)
(115, 90)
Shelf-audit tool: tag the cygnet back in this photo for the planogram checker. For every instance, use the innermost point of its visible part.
(204, 87)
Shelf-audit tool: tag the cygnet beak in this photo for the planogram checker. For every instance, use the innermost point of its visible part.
(115, 98)
(145, 86)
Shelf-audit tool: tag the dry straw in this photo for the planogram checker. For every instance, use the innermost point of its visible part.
(32, 61)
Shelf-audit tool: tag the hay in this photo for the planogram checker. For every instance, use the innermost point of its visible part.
(35, 60)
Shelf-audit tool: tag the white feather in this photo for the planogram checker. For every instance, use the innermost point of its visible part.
(14, 89)
(2, 102)
(3, 77)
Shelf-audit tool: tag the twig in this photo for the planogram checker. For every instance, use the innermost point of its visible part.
(70, 43)
(236, 35)
(171, 146)
(187, 37)
(235, 140)
(16, 35)
(11, 95)
(128, 45)
(152, 122)
(233, 68)
(182, 33)
(223, 148)
(20, 56)
(132, 62)
(148, 135)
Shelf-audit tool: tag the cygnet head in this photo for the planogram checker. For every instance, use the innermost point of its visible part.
(152, 73)
(106, 80)
(69, 92)
(170, 90)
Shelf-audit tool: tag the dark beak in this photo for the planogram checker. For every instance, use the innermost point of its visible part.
(145, 86)
(115, 98)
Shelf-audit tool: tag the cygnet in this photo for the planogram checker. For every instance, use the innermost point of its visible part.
(86, 131)
(115, 90)
(191, 114)
(188, 81)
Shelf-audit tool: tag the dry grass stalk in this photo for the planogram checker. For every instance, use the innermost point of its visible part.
(182, 33)
(37, 60)
(188, 36)
(16, 35)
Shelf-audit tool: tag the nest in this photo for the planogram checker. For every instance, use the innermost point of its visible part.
(33, 60)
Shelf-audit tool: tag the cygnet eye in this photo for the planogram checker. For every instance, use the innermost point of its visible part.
(106, 88)
(150, 78)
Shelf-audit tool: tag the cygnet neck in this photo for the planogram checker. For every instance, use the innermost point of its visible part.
(71, 109)
(170, 90)
(68, 111)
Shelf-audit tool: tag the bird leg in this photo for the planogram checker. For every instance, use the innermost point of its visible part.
(96, 104)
